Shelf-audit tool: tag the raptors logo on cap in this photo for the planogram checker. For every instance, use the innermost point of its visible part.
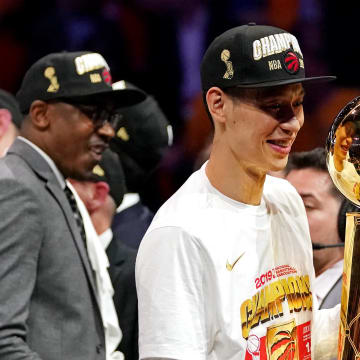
(291, 62)
(107, 76)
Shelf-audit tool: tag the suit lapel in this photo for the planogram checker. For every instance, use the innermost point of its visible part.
(45, 173)
(59, 195)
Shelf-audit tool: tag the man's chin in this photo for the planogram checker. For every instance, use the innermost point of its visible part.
(82, 174)
(279, 165)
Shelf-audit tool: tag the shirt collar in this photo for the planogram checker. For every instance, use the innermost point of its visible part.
(50, 162)
(130, 199)
(106, 238)
(326, 280)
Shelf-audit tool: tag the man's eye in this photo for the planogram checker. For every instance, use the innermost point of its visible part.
(298, 103)
(273, 107)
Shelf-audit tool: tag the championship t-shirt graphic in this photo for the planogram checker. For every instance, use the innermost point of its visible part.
(284, 338)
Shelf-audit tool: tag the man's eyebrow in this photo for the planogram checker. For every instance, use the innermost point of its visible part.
(306, 196)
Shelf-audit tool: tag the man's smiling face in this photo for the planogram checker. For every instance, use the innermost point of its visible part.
(262, 127)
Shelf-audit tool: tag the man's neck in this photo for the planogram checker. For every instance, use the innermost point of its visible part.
(339, 164)
(321, 268)
(235, 180)
(101, 222)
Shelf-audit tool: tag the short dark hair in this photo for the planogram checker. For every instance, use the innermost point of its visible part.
(314, 159)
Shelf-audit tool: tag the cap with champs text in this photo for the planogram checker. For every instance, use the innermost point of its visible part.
(251, 56)
(80, 76)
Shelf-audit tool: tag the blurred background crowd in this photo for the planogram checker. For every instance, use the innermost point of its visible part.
(158, 45)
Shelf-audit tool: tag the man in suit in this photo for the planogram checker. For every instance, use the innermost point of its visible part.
(48, 299)
(10, 120)
(142, 137)
(102, 194)
(325, 209)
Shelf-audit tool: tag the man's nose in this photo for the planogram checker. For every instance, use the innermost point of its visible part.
(106, 130)
(292, 125)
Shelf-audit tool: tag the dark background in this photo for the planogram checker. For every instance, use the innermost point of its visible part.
(158, 45)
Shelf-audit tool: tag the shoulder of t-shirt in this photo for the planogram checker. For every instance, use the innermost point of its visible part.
(184, 204)
(280, 190)
(280, 184)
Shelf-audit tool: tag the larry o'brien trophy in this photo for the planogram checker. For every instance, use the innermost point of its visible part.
(343, 161)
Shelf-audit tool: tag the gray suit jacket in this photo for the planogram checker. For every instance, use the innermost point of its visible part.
(333, 297)
(48, 305)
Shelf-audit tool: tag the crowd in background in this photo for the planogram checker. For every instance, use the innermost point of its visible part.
(158, 45)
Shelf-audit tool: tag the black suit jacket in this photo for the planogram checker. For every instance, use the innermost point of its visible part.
(130, 225)
(122, 274)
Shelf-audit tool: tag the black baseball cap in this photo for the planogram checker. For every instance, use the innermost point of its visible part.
(110, 171)
(8, 101)
(141, 138)
(79, 76)
(251, 56)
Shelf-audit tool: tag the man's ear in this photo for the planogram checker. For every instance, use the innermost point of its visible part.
(39, 114)
(215, 100)
(5, 120)
(101, 192)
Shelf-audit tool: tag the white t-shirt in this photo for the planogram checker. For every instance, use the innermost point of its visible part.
(219, 279)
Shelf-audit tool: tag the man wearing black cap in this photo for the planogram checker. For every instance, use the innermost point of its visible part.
(49, 301)
(102, 193)
(10, 120)
(225, 270)
(142, 137)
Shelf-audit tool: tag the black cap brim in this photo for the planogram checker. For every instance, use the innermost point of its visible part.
(317, 79)
(120, 98)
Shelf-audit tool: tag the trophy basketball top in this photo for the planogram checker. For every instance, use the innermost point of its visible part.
(343, 151)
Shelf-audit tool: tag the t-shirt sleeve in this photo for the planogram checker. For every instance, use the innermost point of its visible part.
(170, 287)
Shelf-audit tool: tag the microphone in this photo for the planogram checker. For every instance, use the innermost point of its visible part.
(317, 246)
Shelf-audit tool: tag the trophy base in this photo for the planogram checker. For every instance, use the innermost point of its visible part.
(349, 333)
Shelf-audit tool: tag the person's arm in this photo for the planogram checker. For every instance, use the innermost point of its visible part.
(171, 292)
(20, 242)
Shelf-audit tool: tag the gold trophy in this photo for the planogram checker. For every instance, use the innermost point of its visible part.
(343, 161)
